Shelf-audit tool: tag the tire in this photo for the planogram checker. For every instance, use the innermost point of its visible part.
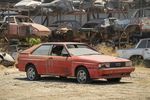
(114, 80)
(136, 60)
(31, 73)
(82, 75)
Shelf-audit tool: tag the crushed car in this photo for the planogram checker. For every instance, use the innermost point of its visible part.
(72, 59)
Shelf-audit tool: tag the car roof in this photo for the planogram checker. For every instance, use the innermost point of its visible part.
(63, 43)
(35, 46)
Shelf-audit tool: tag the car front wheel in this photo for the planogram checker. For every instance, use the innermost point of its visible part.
(83, 75)
(114, 80)
(32, 73)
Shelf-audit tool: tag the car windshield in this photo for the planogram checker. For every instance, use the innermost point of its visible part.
(23, 19)
(89, 25)
(82, 51)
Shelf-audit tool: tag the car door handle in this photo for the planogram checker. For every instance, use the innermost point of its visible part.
(50, 58)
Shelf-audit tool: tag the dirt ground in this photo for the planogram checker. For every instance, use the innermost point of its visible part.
(15, 86)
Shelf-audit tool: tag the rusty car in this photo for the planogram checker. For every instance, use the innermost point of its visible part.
(19, 27)
(72, 59)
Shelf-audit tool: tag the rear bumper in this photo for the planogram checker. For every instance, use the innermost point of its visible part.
(111, 72)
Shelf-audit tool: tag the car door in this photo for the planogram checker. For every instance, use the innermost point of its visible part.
(42, 60)
(13, 26)
(147, 51)
(141, 46)
(61, 60)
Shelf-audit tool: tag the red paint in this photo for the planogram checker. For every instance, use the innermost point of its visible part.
(66, 66)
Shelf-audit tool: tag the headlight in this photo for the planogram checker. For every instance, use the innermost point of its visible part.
(34, 30)
(99, 66)
(129, 63)
(104, 65)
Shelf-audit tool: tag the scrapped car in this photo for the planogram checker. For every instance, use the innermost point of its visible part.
(6, 59)
(139, 53)
(70, 24)
(72, 59)
(137, 26)
(19, 26)
(64, 30)
(99, 29)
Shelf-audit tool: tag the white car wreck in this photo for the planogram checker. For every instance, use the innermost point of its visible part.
(6, 60)
(140, 52)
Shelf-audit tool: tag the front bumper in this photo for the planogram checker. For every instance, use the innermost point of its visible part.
(111, 72)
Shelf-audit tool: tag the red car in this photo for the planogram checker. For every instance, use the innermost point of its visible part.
(70, 59)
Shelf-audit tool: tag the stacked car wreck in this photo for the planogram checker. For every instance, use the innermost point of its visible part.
(136, 27)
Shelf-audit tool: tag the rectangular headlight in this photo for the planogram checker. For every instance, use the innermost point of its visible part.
(129, 63)
(104, 65)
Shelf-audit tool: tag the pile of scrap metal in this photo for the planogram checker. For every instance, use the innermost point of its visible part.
(122, 31)
(136, 27)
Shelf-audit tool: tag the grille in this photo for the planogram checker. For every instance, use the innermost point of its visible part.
(117, 64)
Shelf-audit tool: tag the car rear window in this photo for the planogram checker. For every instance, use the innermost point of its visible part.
(43, 50)
(76, 46)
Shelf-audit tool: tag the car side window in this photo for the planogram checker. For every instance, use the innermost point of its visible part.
(59, 50)
(148, 44)
(64, 52)
(10, 19)
(43, 50)
(142, 44)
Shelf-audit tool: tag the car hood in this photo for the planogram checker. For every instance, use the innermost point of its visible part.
(39, 27)
(102, 58)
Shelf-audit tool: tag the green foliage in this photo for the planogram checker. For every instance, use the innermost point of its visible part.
(33, 41)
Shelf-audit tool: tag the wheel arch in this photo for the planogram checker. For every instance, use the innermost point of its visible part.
(80, 66)
(28, 65)
(136, 56)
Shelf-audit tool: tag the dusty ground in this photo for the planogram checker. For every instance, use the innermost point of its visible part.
(15, 86)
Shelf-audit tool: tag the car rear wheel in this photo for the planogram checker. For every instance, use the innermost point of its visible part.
(32, 73)
(114, 80)
(82, 75)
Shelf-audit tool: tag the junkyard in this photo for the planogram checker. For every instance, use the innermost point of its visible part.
(74, 49)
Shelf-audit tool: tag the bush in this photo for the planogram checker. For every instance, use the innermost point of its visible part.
(33, 41)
